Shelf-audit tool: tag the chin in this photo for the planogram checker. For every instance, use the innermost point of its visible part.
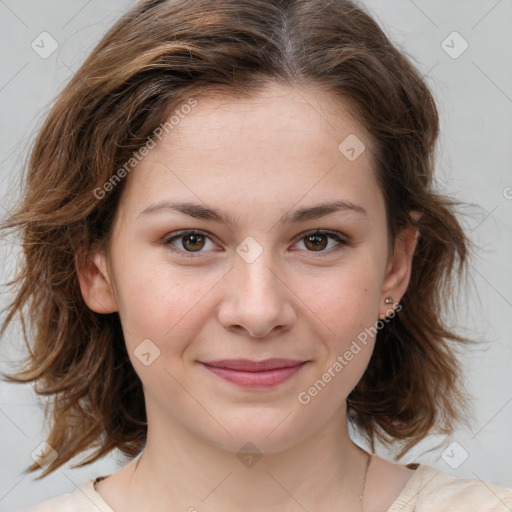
(270, 433)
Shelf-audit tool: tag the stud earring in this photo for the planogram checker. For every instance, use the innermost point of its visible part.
(387, 300)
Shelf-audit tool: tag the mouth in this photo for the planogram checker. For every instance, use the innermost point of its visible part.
(255, 374)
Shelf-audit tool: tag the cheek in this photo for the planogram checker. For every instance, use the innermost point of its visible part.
(160, 302)
(344, 299)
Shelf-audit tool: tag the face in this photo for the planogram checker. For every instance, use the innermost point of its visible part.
(264, 273)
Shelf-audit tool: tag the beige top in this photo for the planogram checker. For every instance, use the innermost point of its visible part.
(428, 490)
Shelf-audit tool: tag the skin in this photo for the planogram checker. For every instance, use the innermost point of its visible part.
(256, 159)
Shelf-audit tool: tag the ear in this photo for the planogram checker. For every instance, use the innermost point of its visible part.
(398, 272)
(95, 284)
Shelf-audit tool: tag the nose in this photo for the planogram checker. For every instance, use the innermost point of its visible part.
(256, 298)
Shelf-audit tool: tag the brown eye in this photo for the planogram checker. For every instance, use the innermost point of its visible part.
(193, 242)
(188, 243)
(316, 242)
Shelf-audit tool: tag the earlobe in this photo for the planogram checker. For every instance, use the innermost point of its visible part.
(95, 284)
(400, 266)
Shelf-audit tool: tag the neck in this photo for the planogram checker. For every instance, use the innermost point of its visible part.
(323, 472)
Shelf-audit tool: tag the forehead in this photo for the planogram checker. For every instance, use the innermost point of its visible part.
(280, 112)
(281, 144)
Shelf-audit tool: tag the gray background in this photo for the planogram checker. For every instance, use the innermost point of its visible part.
(474, 94)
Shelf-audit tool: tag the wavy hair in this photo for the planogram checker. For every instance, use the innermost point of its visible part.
(154, 58)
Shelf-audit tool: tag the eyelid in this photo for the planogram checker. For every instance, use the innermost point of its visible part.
(341, 239)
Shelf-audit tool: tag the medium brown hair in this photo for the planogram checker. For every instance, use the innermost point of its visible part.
(158, 55)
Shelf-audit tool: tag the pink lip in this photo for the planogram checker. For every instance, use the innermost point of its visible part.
(262, 374)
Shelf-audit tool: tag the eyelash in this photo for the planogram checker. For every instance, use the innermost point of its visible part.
(332, 234)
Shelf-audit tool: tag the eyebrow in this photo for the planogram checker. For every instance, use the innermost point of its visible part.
(199, 211)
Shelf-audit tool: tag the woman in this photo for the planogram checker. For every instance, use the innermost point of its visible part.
(233, 248)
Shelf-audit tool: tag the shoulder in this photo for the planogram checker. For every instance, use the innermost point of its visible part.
(82, 499)
(57, 504)
(434, 489)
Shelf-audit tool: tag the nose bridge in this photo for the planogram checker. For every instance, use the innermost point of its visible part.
(255, 269)
(257, 299)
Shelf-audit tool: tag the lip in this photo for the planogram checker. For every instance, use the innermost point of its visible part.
(254, 374)
(247, 365)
